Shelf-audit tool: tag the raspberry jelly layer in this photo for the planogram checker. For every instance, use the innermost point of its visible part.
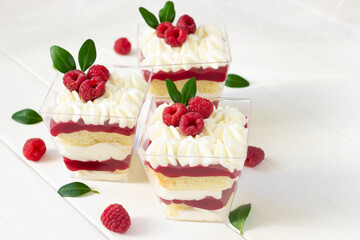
(107, 165)
(197, 171)
(208, 203)
(209, 74)
(70, 127)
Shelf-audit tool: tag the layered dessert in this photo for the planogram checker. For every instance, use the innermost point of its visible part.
(183, 51)
(194, 173)
(92, 113)
(96, 137)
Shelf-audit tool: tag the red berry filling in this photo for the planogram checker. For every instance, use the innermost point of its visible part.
(191, 124)
(34, 149)
(92, 89)
(254, 156)
(201, 105)
(161, 29)
(73, 79)
(172, 114)
(175, 36)
(98, 71)
(116, 218)
(122, 46)
(188, 23)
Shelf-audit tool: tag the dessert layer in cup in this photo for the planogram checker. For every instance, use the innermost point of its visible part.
(195, 175)
(184, 212)
(204, 55)
(117, 175)
(96, 137)
(204, 87)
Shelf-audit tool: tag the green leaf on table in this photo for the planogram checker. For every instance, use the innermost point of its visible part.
(188, 91)
(87, 54)
(238, 216)
(27, 116)
(167, 14)
(149, 18)
(174, 93)
(75, 189)
(236, 81)
(63, 61)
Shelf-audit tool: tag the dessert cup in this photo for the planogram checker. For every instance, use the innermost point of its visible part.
(205, 55)
(195, 178)
(96, 138)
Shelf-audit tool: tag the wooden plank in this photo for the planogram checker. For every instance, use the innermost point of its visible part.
(30, 207)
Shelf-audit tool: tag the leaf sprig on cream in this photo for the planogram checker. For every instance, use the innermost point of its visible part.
(166, 14)
(187, 92)
(64, 62)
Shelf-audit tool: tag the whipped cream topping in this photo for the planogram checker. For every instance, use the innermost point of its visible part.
(223, 141)
(120, 103)
(206, 46)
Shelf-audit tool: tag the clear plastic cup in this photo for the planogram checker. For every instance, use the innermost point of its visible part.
(205, 55)
(96, 138)
(195, 178)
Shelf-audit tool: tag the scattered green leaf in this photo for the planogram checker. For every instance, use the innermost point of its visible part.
(149, 18)
(62, 59)
(167, 14)
(75, 189)
(87, 54)
(236, 81)
(188, 91)
(27, 116)
(238, 216)
(174, 93)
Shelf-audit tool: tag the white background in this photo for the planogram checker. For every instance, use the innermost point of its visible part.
(302, 59)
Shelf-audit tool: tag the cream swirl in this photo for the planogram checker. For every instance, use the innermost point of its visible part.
(226, 132)
(160, 130)
(157, 116)
(227, 114)
(162, 152)
(196, 151)
(120, 103)
(207, 46)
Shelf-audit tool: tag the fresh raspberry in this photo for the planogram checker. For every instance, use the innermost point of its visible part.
(201, 105)
(116, 218)
(175, 36)
(92, 89)
(73, 79)
(34, 149)
(171, 115)
(98, 71)
(254, 156)
(122, 46)
(192, 123)
(188, 23)
(161, 29)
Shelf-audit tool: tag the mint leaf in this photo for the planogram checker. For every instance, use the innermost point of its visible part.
(87, 54)
(149, 18)
(174, 93)
(238, 216)
(188, 91)
(74, 189)
(62, 59)
(167, 14)
(27, 116)
(236, 81)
